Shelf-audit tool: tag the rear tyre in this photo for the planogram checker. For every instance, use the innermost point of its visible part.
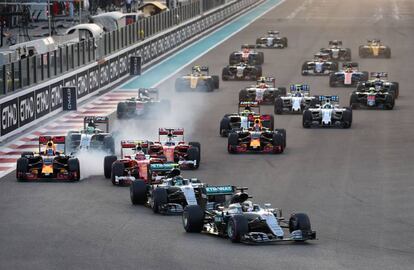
(108, 160)
(389, 102)
(243, 95)
(193, 219)
(74, 168)
(232, 143)
(283, 132)
(278, 106)
(225, 74)
(278, 142)
(160, 198)
(193, 154)
(118, 169)
(396, 87)
(121, 110)
(307, 119)
(216, 81)
(237, 227)
(138, 192)
(353, 101)
(224, 127)
(22, 168)
(347, 118)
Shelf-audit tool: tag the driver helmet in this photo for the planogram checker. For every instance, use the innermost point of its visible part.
(177, 180)
(139, 154)
(144, 93)
(348, 69)
(298, 94)
(257, 125)
(327, 106)
(197, 69)
(247, 206)
(246, 50)
(50, 149)
(90, 129)
(371, 89)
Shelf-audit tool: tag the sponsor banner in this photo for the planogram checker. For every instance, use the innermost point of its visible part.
(135, 65)
(56, 96)
(71, 81)
(69, 98)
(93, 79)
(27, 109)
(104, 74)
(82, 84)
(9, 116)
(123, 64)
(114, 71)
(42, 98)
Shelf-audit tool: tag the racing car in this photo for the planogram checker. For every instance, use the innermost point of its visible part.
(327, 114)
(372, 98)
(379, 80)
(146, 103)
(264, 92)
(240, 220)
(257, 139)
(248, 111)
(297, 100)
(247, 55)
(91, 137)
(133, 163)
(272, 40)
(241, 72)
(374, 49)
(172, 147)
(49, 163)
(320, 65)
(336, 52)
(198, 79)
(168, 192)
(349, 76)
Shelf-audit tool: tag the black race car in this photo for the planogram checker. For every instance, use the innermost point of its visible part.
(336, 52)
(379, 80)
(147, 103)
(233, 216)
(371, 98)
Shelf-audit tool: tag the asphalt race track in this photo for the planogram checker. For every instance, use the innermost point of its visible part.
(355, 184)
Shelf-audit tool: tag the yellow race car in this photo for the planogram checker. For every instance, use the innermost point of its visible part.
(199, 78)
(374, 49)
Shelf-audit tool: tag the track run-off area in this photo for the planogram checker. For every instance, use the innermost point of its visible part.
(356, 184)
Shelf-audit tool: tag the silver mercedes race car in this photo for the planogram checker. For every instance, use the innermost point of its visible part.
(320, 65)
(247, 55)
(349, 76)
(336, 52)
(264, 92)
(91, 137)
(272, 40)
(296, 101)
(241, 72)
(328, 114)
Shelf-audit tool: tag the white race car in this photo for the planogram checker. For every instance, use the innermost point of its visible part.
(297, 100)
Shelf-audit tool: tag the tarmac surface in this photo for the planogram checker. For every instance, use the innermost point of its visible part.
(356, 184)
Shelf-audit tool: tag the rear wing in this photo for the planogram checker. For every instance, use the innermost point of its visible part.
(273, 32)
(352, 65)
(220, 190)
(134, 143)
(247, 46)
(269, 80)
(201, 68)
(321, 55)
(96, 121)
(163, 167)
(171, 131)
(329, 98)
(378, 74)
(335, 43)
(373, 40)
(248, 104)
(299, 87)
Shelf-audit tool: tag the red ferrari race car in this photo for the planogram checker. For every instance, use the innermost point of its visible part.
(172, 147)
(49, 163)
(132, 165)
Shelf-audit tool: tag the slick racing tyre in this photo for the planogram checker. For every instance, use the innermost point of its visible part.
(283, 132)
(138, 192)
(278, 108)
(159, 198)
(307, 119)
(233, 142)
(74, 168)
(22, 168)
(118, 169)
(224, 127)
(237, 227)
(278, 142)
(193, 219)
(395, 87)
(108, 160)
(216, 81)
(243, 95)
(347, 118)
(353, 101)
(389, 102)
(300, 221)
(193, 154)
(225, 74)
